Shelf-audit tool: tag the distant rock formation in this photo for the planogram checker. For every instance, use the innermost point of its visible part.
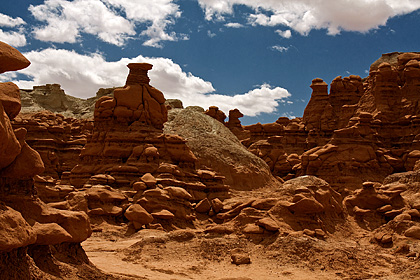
(52, 98)
(362, 129)
(377, 135)
(215, 113)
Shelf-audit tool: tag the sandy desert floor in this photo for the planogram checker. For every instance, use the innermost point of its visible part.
(153, 254)
(193, 254)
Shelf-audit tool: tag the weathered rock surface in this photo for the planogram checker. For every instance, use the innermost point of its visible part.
(51, 97)
(26, 222)
(128, 142)
(138, 172)
(16, 232)
(217, 148)
(362, 129)
(11, 59)
(58, 140)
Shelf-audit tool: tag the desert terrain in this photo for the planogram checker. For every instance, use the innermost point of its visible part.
(130, 185)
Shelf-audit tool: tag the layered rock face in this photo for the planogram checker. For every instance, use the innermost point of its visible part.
(51, 97)
(377, 135)
(57, 139)
(127, 142)
(25, 221)
(362, 129)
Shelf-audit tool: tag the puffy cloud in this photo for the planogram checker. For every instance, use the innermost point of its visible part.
(67, 20)
(280, 48)
(82, 75)
(13, 38)
(305, 15)
(263, 99)
(161, 13)
(215, 8)
(8, 21)
(285, 34)
(234, 25)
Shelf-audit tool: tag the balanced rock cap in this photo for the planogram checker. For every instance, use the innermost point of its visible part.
(138, 73)
(11, 59)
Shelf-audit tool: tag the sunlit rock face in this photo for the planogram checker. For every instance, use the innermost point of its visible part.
(128, 141)
(358, 129)
(26, 223)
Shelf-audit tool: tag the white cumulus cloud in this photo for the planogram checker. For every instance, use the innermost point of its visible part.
(13, 38)
(66, 20)
(263, 99)
(112, 21)
(285, 34)
(82, 76)
(8, 21)
(234, 25)
(160, 13)
(305, 15)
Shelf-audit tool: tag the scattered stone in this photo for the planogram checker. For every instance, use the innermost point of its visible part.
(138, 215)
(219, 229)
(268, 223)
(149, 180)
(252, 229)
(163, 214)
(239, 257)
(203, 206)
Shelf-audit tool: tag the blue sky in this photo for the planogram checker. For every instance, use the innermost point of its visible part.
(256, 55)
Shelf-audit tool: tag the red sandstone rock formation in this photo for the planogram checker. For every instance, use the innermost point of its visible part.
(24, 219)
(373, 125)
(128, 151)
(383, 124)
(215, 113)
(57, 139)
(11, 59)
(234, 124)
(136, 102)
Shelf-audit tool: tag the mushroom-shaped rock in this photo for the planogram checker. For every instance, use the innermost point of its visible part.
(138, 215)
(11, 59)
